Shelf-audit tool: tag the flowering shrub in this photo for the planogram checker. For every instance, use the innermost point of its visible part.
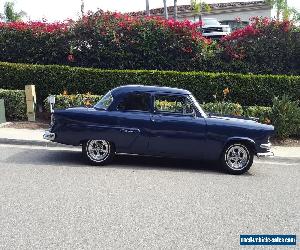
(63, 101)
(264, 46)
(116, 41)
(262, 113)
(223, 108)
(34, 42)
(36, 27)
(113, 40)
(106, 40)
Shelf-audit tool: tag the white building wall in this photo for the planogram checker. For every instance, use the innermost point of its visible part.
(244, 15)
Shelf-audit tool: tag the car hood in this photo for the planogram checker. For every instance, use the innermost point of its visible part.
(238, 122)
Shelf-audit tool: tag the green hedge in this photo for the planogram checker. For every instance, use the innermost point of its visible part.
(15, 104)
(244, 89)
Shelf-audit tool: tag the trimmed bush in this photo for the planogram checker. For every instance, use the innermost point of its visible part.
(285, 116)
(245, 89)
(15, 104)
(264, 47)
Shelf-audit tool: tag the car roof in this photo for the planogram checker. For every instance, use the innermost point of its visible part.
(143, 88)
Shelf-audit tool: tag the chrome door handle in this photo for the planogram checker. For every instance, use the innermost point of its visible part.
(127, 131)
(124, 130)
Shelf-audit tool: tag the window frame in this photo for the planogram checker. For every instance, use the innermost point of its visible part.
(107, 95)
(186, 97)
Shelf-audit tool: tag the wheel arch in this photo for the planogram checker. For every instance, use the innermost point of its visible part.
(244, 140)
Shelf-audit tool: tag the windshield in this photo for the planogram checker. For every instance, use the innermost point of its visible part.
(105, 102)
(197, 105)
(210, 21)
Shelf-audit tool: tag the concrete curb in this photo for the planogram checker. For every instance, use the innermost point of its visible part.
(4, 124)
(32, 143)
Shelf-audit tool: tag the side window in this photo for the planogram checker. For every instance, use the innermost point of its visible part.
(173, 104)
(135, 101)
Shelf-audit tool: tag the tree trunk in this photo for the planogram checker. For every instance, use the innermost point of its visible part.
(278, 14)
(286, 12)
(82, 8)
(166, 9)
(175, 10)
(200, 12)
(147, 8)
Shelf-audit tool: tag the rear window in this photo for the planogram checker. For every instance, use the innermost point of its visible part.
(135, 102)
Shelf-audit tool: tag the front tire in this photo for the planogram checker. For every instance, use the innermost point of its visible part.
(237, 158)
(98, 152)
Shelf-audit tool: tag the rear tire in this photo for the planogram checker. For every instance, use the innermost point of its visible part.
(98, 152)
(237, 158)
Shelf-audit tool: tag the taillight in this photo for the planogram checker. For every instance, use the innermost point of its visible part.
(52, 120)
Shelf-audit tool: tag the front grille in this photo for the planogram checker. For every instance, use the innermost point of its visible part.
(212, 29)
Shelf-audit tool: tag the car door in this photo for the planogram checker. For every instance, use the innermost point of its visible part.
(176, 128)
(133, 112)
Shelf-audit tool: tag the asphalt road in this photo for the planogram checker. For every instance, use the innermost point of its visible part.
(50, 199)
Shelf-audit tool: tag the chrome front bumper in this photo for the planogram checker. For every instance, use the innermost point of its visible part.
(49, 136)
(270, 154)
(267, 147)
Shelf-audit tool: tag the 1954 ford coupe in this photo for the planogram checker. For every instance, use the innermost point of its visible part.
(159, 121)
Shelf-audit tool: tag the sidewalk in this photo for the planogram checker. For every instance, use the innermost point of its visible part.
(35, 137)
(25, 137)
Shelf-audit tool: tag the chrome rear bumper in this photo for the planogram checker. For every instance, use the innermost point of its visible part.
(49, 136)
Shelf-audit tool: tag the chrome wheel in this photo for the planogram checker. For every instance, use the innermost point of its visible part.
(237, 157)
(97, 150)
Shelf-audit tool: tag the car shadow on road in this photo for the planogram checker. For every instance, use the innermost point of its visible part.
(41, 157)
(148, 162)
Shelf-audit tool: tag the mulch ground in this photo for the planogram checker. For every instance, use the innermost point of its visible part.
(290, 142)
(28, 125)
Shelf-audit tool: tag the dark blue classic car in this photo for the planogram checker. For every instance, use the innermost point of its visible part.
(159, 121)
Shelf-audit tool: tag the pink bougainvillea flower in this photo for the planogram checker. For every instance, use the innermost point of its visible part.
(71, 58)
